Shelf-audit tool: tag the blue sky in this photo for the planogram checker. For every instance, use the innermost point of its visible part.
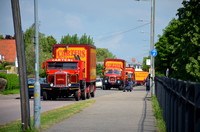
(113, 24)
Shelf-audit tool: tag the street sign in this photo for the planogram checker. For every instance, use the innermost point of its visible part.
(154, 52)
(148, 62)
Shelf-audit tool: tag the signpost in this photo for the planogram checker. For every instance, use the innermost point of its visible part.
(153, 54)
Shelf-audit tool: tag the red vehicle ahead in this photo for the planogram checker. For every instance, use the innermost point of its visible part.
(71, 72)
(114, 74)
(130, 74)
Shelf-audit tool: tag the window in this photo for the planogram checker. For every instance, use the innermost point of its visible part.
(117, 72)
(108, 71)
(61, 65)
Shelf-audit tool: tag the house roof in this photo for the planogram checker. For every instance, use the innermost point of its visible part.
(8, 49)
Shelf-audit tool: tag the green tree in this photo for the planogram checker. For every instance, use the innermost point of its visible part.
(66, 39)
(99, 69)
(75, 39)
(179, 46)
(1, 36)
(83, 39)
(103, 53)
(50, 40)
(45, 49)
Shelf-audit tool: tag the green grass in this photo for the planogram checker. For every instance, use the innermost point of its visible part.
(13, 91)
(160, 124)
(50, 117)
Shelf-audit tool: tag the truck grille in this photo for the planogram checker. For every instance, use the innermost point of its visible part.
(112, 79)
(60, 79)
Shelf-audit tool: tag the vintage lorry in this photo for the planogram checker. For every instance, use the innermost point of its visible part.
(140, 77)
(71, 72)
(130, 74)
(114, 74)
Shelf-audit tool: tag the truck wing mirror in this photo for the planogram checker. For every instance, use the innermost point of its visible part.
(43, 65)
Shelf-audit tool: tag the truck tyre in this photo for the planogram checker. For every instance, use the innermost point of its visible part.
(77, 95)
(104, 87)
(93, 94)
(88, 95)
(83, 94)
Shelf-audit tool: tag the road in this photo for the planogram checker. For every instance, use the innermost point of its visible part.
(10, 105)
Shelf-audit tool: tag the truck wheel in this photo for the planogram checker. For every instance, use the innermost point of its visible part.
(77, 95)
(93, 94)
(83, 94)
(88, 95)
(104, 87)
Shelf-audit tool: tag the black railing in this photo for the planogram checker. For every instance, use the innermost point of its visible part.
(180, 104)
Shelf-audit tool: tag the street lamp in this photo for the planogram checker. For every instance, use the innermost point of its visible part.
(152, 32)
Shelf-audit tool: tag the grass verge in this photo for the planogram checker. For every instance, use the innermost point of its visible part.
(13, 91)
(50, 117)
(160, 124)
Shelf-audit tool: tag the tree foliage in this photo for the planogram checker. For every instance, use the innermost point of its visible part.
(179, 46)
(103, 53)
(74, 39)
(45, 49)
(1, 36)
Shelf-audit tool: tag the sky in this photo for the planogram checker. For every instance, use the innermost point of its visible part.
(121, 26)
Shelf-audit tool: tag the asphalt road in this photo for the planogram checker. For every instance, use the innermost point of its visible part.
(10, 105)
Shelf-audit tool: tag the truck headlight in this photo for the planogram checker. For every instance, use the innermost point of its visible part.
(69, 84)
(51, 84)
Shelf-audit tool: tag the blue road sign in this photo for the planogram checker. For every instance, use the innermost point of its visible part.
(153, 52)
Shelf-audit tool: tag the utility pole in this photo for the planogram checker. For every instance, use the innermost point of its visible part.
(153, 65)
(37, 106)
(25, 109)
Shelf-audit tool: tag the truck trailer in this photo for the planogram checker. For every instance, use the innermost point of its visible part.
(140, 77)
(71, 72)
(114, 74)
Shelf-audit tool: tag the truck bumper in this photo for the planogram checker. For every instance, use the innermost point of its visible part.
(116, 84)
(72, 87)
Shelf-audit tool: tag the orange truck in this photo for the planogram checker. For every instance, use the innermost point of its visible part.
(114, 74)
(71, 72)
(140, 77)
(130, 74)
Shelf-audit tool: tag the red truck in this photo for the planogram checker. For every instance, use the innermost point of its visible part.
(130, 74)
(114, 74)
(71, 72)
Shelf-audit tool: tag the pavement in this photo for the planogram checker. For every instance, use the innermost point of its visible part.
(117, 112)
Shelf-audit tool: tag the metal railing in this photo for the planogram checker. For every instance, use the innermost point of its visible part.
(180, 104)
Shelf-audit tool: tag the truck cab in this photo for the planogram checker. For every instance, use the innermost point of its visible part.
(114, 74)
(64, 78)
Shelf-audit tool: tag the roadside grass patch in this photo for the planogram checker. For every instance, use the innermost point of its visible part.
(11, 91)
(160, 123)
(49, 118)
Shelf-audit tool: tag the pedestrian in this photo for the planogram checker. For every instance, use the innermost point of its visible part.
(148, 83)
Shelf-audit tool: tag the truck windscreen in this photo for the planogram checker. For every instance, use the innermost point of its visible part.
(110, 71)
(62, 65)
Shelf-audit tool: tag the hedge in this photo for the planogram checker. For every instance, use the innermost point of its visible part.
(12, 81)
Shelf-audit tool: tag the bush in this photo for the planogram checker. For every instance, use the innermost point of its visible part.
(12, 81)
